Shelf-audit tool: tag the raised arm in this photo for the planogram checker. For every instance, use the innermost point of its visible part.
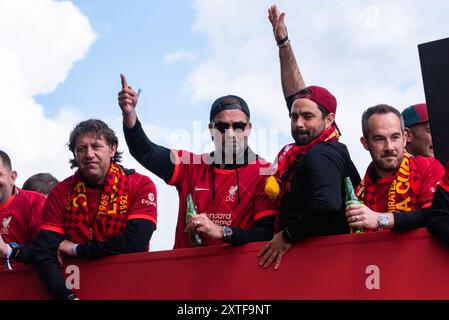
(291, 78)
(153, 157)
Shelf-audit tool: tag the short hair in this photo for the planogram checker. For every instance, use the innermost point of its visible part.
(40, 182)
(100, 129)
(379, 109)
(5, 160)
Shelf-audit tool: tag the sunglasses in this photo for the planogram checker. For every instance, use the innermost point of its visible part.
(223, 126)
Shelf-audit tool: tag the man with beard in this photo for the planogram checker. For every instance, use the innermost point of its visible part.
(311, 173)
(397, 186)
(417, 126)
(227, 185)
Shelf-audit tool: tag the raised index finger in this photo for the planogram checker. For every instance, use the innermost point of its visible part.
(124, 83)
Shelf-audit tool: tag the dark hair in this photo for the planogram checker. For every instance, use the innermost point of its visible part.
(304, 91)
(40, 182)
(99, 128)
(379, 109)
(5, 160)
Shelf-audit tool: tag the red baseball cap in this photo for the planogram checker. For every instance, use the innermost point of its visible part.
(320, 96)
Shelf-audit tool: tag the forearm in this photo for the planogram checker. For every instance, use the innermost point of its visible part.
(130, 119)
(263, 230)
(23, 254)
(291, 78)
(410, 220)
(153, 157)
(136, 238)
(45, 254)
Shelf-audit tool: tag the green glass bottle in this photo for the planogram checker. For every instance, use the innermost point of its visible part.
(195, 238)
(351, 198)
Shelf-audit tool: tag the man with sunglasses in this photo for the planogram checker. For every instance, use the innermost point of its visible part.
(227, 185)
(311, 170)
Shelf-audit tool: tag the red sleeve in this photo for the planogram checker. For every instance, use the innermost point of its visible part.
(143, 198)
(184, 167)
(432, 172)
(180, 157)
(54, 208)
(264, 206)
(36, 215)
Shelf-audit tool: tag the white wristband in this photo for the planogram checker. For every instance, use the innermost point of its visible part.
(74, 249)
(8, 251)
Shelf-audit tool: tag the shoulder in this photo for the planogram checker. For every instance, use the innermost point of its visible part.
(328, 151)
(428, 164)
(138, 181)
(29, 198)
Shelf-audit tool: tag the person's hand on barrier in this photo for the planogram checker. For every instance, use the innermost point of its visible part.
(67, 248)
(274, 251)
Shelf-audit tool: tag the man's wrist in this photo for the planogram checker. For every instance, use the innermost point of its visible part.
(283, 42)
(286, 235)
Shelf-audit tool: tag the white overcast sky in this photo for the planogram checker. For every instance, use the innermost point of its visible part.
(60, 63)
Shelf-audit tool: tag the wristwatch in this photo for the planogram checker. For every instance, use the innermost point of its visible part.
(227, 233)
(382, 221)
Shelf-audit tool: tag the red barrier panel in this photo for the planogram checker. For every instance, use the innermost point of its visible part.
(409, 265)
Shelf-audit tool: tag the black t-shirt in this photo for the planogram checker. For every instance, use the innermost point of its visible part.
(315, 205)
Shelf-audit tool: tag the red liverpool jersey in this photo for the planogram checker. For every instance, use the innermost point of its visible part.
(21, 215)
(215, 193)
(142, 205)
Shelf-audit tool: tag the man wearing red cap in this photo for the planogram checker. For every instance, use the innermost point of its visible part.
(310, 173)
(397, 186)
(417, 126)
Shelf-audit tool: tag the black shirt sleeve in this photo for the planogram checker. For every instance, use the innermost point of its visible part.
(153, 157)
(262, 230)
(136, 238)
(410, 220)
(45, 248)
(438, 216)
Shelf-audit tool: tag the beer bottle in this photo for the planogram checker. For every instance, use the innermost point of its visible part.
(195, 238)
(351, 198)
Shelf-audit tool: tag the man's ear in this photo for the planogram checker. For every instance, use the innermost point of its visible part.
(330, 118)
(13, 176)
(364, 143)
(408, 134)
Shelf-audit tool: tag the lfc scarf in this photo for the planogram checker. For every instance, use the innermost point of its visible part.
(111, 211)
(403, 191)
(287, 159)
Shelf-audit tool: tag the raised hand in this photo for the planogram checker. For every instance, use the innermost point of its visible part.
(127, 97)
(277, 21)
(127, 100)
